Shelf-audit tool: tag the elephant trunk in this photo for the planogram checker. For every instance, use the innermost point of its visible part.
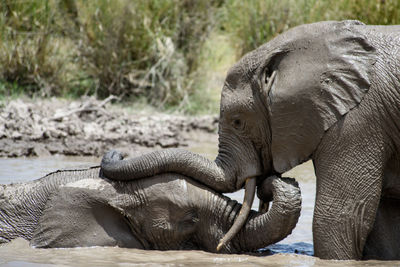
(214, 174)
(263, 229)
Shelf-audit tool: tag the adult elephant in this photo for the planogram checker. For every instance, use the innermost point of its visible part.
(328, 91)
(79, 208)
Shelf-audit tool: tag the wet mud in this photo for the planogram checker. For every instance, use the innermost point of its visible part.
(90, 127)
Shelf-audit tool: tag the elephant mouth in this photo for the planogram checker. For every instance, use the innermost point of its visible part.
(253, 172)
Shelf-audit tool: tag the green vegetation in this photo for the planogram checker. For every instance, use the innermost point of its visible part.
(168, 53)
(253, 22)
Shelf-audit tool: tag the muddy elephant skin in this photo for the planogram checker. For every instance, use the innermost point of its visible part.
(327, 91)
(79, 208)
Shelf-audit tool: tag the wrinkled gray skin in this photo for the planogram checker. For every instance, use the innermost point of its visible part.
(334, 97)
(167, 211)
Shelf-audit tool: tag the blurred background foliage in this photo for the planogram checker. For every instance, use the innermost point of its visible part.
(172, 54)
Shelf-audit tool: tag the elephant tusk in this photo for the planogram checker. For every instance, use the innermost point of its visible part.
(250, 189)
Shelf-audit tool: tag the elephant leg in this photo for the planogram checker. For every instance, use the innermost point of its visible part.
(349, 183)
(383, 242)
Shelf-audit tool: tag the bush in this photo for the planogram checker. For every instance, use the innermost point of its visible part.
(143, 48)
(34, 64)
(164, 52)
(28, 53)
(131, 48)
(254, 22)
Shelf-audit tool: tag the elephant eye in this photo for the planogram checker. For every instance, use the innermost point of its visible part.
(237, 124)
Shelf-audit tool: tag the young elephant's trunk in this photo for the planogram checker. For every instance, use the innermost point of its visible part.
(274, 225)
(263, 229)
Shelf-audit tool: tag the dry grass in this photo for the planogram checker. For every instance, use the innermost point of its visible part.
(169, 53)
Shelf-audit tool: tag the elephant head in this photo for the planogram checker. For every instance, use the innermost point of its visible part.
(167, 211)
(276, 104)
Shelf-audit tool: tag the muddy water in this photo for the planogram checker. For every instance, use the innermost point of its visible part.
(295, 250)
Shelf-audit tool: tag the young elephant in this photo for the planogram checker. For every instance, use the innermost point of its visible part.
(167, 211)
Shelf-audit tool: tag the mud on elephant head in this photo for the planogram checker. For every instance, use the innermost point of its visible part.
(166, 211)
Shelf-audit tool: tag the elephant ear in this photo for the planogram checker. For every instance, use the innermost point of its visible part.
(78, 217)
(324, 73)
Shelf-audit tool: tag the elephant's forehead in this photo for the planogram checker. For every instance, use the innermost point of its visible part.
(171, 191)
(241, 72)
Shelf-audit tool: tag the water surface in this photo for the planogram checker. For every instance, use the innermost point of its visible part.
(295, 250)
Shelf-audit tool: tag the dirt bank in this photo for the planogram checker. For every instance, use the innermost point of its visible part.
(90, 127)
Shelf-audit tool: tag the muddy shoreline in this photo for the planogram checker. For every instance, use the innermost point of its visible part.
(89, 127)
